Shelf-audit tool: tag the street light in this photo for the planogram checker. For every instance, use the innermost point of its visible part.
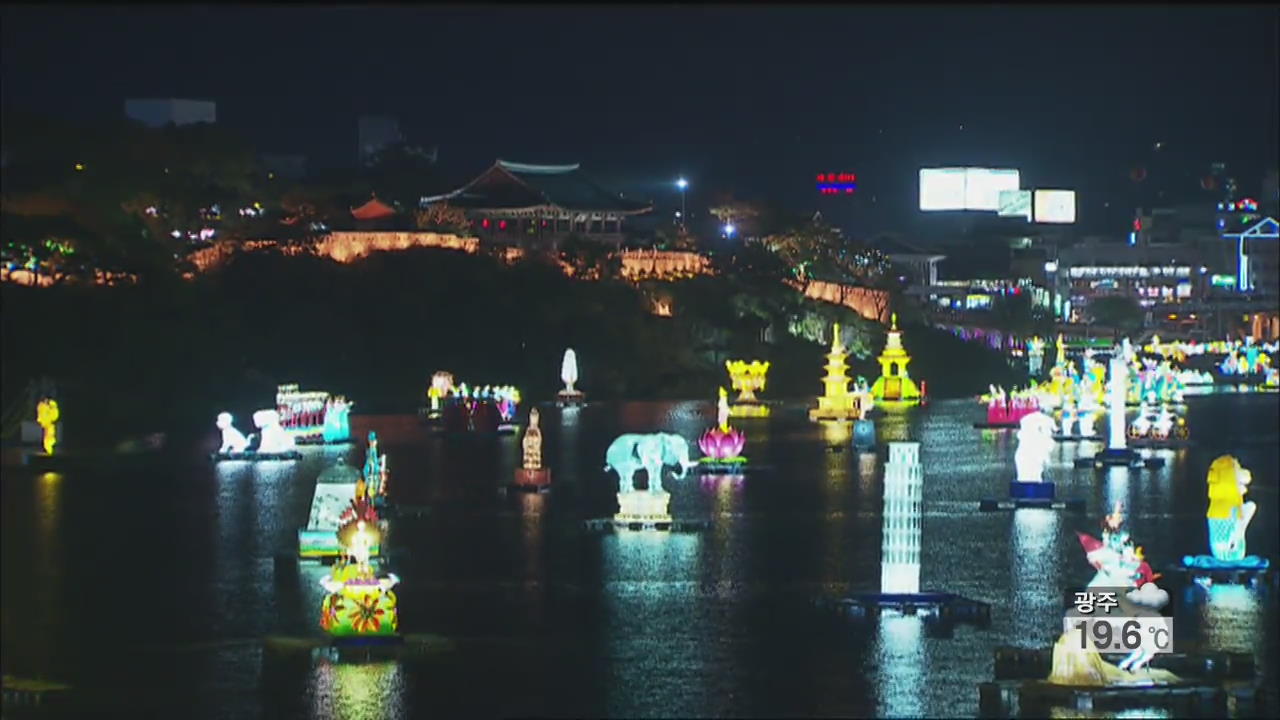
(682, 184)
(729, 229)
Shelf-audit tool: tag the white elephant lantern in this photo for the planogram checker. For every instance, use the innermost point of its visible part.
(651, 453)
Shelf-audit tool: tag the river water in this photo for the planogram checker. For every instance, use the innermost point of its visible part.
(151, 589)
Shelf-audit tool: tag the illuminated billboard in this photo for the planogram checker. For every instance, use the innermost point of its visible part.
(942, 189)
(837, 183)
(968, 188)
(1015, 203)
(1055, 206)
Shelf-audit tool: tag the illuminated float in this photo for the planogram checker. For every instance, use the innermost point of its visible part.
(441, 386)
(894, 384)
(1079, 414)
(836, 402)
(570, 395)
(359, 606)
(747, 378)
(722, 445)
(274, 443)
(313, 417)
(1121, 565)
(1035, 356)
(901, 541)
(375, 472)
(651, 453)
(1006, 410)
(341, 493)
(482, 409)
(864, 428)
(1158, 428)
(1035, 443)
(48, 415)
(1228, 521)
(1117, 452)
(532, 475)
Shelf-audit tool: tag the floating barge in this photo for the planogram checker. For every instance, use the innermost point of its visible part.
(362, 649)
(598, 524)
(24, 692)
(1249, 576)
(251, 456)
(1169, 443)
(938, 606)
(1218, 685)
(1008, 504)
(1119, 458)
(1014, 663)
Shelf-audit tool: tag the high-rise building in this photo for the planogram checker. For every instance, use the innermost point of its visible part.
(157, 113)
(375, 132)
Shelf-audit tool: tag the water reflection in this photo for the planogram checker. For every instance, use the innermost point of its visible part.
(1231, 618)
(901, 666)
(653, 609)
(1034, 579)
(836, 433)
(357, 691)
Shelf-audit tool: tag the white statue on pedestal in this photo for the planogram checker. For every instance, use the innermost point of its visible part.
(1035, 441)
(569, 371)
(233, 441)
(274, 437)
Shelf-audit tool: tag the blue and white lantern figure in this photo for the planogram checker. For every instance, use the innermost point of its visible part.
(337, 427)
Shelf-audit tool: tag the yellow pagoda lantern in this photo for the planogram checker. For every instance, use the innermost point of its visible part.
(836, 402)
(894, 383)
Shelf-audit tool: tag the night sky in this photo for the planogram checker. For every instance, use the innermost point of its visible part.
(754, 100)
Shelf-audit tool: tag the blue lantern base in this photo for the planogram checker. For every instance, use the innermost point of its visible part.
(1043, 491)
(1209, 562)
(864, 435)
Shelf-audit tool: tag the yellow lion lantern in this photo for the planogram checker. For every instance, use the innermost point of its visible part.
(1228, 514)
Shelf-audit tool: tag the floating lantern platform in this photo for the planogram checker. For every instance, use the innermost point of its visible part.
(672, 525)
(251, 456)
(1032, 698)
(1031, 504)
(935, 606)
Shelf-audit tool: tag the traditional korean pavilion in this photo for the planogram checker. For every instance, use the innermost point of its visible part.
(517, 204)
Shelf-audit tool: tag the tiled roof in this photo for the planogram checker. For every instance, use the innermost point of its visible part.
(510, 186)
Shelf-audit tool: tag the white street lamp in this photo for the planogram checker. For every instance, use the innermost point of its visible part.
(683, 185)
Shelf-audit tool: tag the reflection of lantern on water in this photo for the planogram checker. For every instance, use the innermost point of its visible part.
(836, 432)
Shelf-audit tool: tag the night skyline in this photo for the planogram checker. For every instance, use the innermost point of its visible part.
(755, 100)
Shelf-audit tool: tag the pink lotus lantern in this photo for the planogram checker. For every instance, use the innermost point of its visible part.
(722, 442)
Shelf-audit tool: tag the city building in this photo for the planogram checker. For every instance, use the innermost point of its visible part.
(521, 204)
(373, 133)
(158, 113)
(1256, 268)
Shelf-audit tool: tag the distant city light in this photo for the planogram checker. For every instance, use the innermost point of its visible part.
(79, 167)
(678, 214)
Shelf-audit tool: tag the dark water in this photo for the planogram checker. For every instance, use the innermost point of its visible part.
(152, 589)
